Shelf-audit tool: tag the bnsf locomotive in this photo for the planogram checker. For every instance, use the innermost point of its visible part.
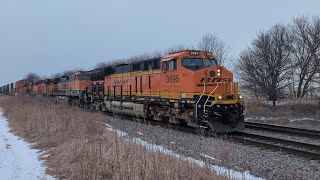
(186, 87)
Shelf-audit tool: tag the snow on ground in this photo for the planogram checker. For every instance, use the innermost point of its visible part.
(140, 133)
(17, 159)
(278, 103)
(260, 118)
(302, 119)
(157, 148)
(291, 119)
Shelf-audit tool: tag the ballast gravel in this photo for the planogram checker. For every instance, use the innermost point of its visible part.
(260, 162)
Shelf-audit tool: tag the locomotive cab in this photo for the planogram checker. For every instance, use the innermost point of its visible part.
(197, 78)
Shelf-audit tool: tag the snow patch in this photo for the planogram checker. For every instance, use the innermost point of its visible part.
(45, 156)
(220, 170)
(260, 118)
(209, 157)
(278, 103)
(291, 119)
(17, 159)
(157, 148)
(118, 132)
(302, 119)
(108, 125)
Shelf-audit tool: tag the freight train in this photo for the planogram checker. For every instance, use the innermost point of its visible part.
(187, 87)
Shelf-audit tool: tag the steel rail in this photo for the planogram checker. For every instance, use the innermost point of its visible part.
(310, 151)
(283, 129)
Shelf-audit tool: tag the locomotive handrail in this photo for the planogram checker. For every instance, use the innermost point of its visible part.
(204, 90)
(204, 107)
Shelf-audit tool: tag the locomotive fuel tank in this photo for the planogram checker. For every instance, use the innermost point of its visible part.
(126, 108)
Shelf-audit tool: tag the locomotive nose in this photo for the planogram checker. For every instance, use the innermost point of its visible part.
(213, 75)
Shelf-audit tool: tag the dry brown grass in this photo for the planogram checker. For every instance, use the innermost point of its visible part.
(77, 146)
(290, 108)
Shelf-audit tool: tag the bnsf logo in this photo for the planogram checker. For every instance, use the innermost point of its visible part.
(121, 82)
(215, 80)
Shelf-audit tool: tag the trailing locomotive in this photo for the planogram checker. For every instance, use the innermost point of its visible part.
(186, 87)
(8, 89)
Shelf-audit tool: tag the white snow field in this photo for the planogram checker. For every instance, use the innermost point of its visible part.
(17, 159)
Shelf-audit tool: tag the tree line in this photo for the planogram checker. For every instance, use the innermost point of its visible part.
(209, 42)
(283, 60)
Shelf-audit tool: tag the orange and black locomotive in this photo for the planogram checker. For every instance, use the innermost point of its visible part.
(187, 87)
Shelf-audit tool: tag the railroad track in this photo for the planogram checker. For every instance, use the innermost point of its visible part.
(300, 149)
(283, 130)
(310, 151)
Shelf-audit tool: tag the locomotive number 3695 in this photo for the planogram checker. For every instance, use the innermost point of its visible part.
(172, 79)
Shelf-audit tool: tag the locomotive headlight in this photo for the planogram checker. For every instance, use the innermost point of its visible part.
(240, 97)
(219, 74)
(194, 53)
(220, 97)
(212, 73)
(219, 70)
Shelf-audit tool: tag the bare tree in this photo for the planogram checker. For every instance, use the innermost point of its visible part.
(145, 56)
(56, 75)
(69, 72)
(176, 48)
(101, 65)
(212, 43)
(65, 73)
(33, 77)
(137, 58)
(265, 67)
(306, 51)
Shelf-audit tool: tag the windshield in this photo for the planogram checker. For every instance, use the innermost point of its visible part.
(84, 77)
(192, 64)
(211, 62)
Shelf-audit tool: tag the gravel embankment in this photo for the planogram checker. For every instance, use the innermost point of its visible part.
(260, 162)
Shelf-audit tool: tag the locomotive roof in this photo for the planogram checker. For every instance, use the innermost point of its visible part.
(96, 72)
(112, 69)
(171, 56)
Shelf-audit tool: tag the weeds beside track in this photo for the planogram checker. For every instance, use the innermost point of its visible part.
(76, 145)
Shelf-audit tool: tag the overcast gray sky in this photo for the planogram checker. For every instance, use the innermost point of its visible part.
(46, 37)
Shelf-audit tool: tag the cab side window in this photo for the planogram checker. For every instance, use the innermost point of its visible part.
(169, 65)
(156, 64)
(146, 65)
(172, 64)
(164, 66)
(136, 67)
